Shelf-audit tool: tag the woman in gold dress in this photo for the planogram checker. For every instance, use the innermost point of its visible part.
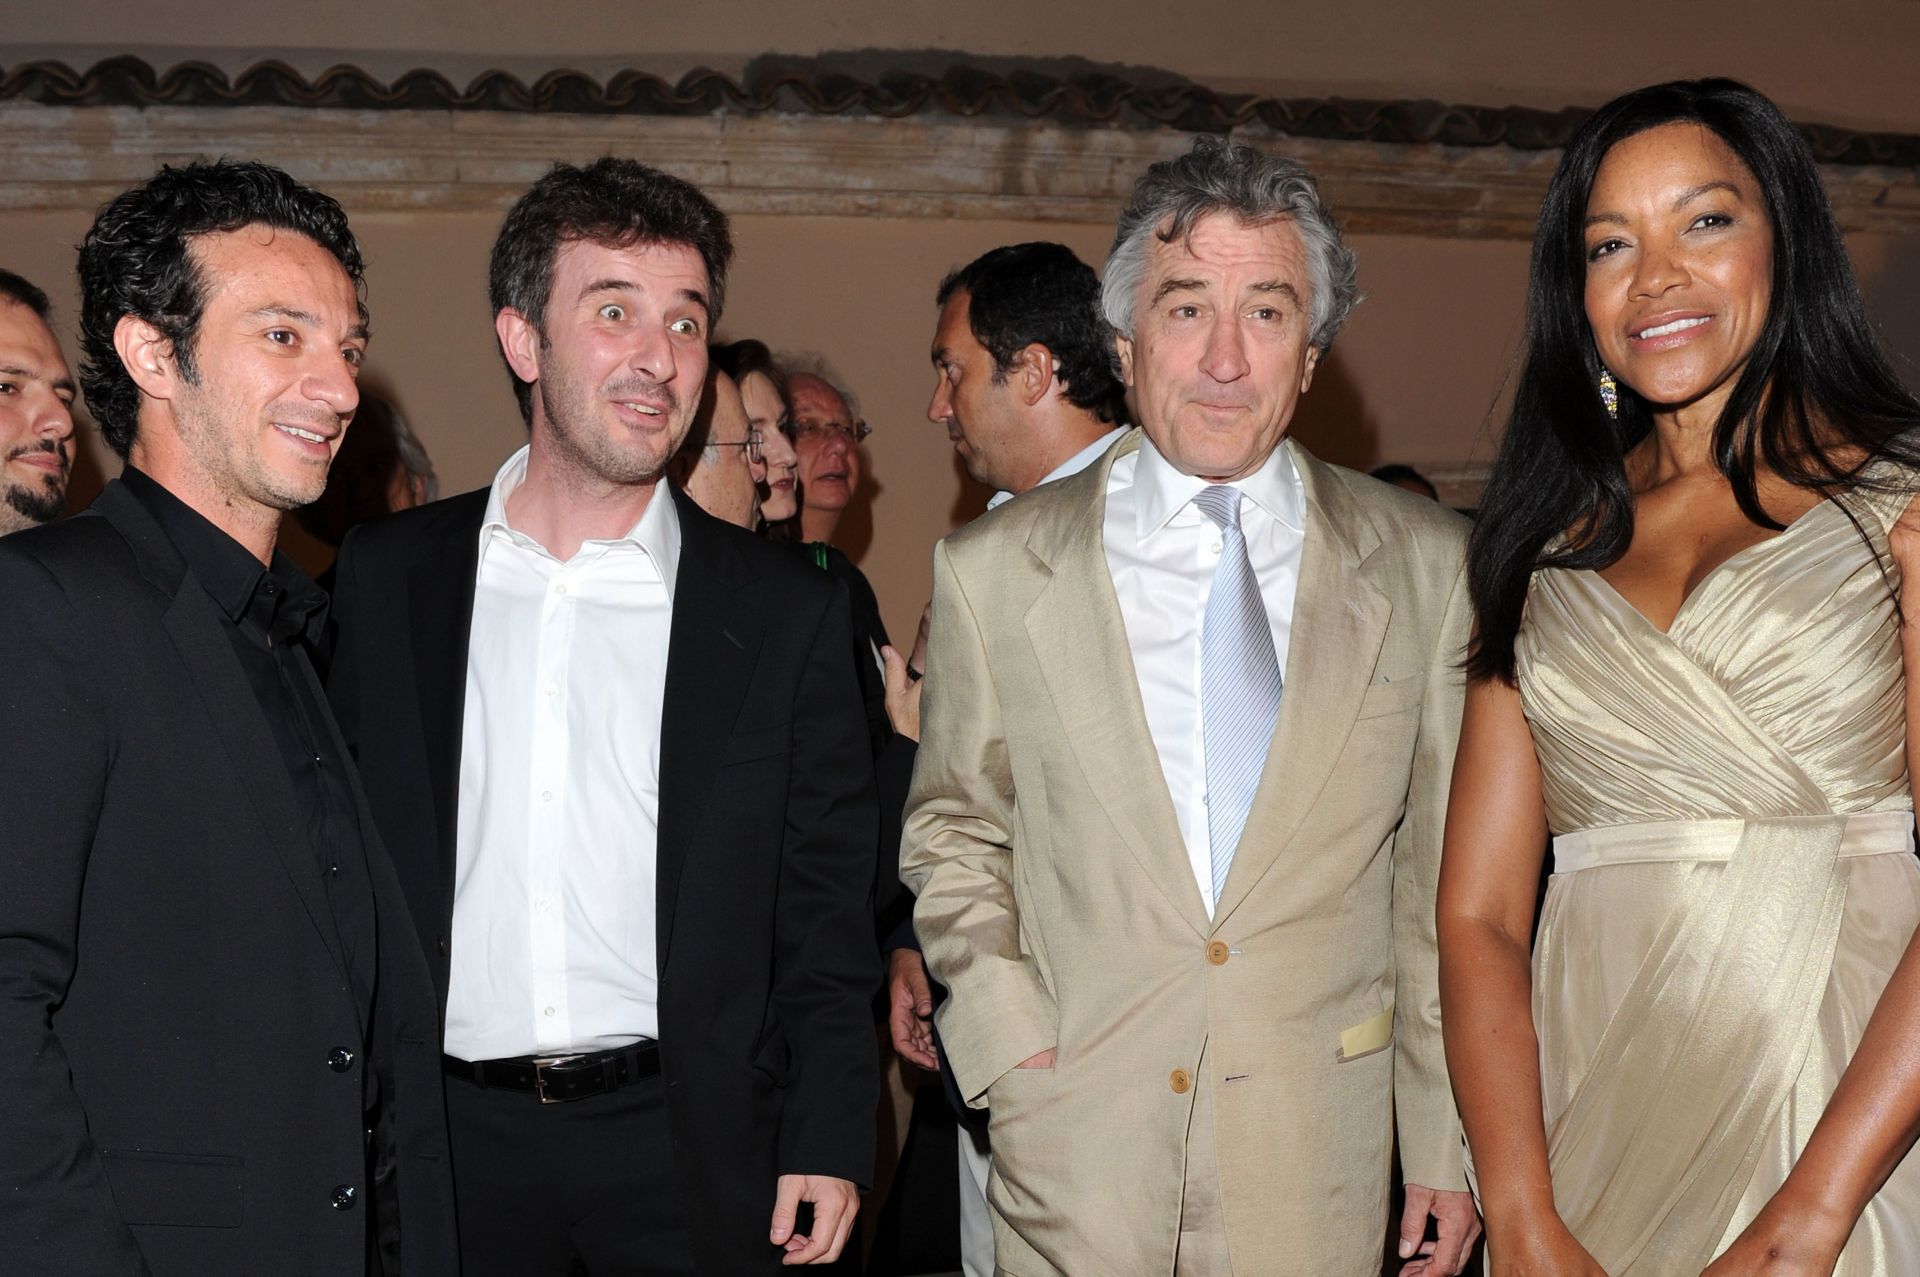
(1691, 672)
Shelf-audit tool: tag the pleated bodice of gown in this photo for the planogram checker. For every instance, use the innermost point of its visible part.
(1734, 884)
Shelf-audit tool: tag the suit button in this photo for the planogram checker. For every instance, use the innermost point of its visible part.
(339, 1059)
(440, 943)
(1217, 953)
(1181, 1082)
(343, 1197)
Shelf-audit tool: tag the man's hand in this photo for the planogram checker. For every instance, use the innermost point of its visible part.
(910, 1009)
(903, 694)
(1459, 1229)
(1044, 1060)
(835, 1203)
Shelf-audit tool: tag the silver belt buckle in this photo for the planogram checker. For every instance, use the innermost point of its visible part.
(540, 1067)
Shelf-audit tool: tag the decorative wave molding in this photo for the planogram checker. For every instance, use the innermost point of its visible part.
(813, 86)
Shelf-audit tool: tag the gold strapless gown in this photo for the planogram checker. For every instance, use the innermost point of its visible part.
(1734, 884)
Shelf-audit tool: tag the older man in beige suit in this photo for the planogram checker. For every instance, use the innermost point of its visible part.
(1175, 827)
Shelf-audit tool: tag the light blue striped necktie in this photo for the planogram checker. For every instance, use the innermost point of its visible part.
(1239, 683)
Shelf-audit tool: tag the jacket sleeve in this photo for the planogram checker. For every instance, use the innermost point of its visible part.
(825, 955)
(957, 856)
(57, 1213)
(1429, 1125)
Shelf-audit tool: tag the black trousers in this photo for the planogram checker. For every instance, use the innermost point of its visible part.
(555, 1190)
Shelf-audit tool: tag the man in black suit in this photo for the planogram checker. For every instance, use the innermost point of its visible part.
(619, 751)
(216, 1023)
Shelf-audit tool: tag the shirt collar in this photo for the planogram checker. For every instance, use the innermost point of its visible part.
(1072, 465)
(227, 570)
(657, 534)
(1162, 491)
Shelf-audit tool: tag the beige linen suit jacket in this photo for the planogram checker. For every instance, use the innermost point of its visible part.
(1057, 903)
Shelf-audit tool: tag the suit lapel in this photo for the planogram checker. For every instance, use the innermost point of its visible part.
(713, 645)
(1339, 623)
(440, 588)
(193, 625)
(1080, 639)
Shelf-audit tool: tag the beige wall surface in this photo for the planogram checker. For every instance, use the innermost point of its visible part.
(1417, 376)
(1846, 64)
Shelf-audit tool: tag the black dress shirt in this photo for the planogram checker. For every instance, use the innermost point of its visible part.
(276, 617)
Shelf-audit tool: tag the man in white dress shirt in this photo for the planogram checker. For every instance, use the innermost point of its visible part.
(1025, 388)
(621, 759)
(1176, 815)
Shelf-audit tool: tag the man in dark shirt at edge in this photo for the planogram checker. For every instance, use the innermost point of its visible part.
(200, 1078)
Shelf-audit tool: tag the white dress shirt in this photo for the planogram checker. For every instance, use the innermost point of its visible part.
(1072, 465)
(553, 896)
(1161, 552)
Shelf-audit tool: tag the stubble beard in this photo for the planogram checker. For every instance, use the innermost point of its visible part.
(585, 447)
(236, 472)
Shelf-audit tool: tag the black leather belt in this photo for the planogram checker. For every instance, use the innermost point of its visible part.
(556, 1079)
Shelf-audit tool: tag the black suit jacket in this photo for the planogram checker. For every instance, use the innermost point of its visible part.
(767, 823)
(171, 984)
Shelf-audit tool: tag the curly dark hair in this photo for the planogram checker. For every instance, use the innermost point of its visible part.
(135, 261)
(612, 201)
(1025, 294)
(24, 292)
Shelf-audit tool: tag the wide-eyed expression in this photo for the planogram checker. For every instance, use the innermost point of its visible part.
(619, 359)
(1679, 265)
(1221, 353)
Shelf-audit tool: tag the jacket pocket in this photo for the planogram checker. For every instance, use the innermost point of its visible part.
(748, 747)
(180, 1189)
(1372, 1034)
(1391, 698)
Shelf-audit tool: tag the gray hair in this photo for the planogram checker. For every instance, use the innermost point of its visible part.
(805, 363)
(1218, 176)
(413, 454)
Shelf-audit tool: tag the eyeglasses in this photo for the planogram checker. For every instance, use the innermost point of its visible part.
(852, 432)
(754, 443)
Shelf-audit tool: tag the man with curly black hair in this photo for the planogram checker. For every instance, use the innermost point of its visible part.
(199, 1076)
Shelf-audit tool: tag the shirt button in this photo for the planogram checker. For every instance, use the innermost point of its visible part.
(546, 795)
(343, 1197)
(548, 1013)
(550, 689)
(1215, 546)
(560, 588)
(339, 1059)
(1181, 1081)
(1217, 954)
(544, 905)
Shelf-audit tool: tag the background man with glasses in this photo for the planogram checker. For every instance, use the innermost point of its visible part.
(827, 431)
(715, 465)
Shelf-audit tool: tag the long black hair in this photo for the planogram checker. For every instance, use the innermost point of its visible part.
(1816, 402)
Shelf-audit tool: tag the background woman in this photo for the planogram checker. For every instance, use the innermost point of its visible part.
(763, 389)
(1691, 671)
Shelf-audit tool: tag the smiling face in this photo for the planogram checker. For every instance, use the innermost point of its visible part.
(620, 360)
(272, 390)
(779, 497)
(1679, 266)
(829, 458)
(36, 420)
(1219, 356)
